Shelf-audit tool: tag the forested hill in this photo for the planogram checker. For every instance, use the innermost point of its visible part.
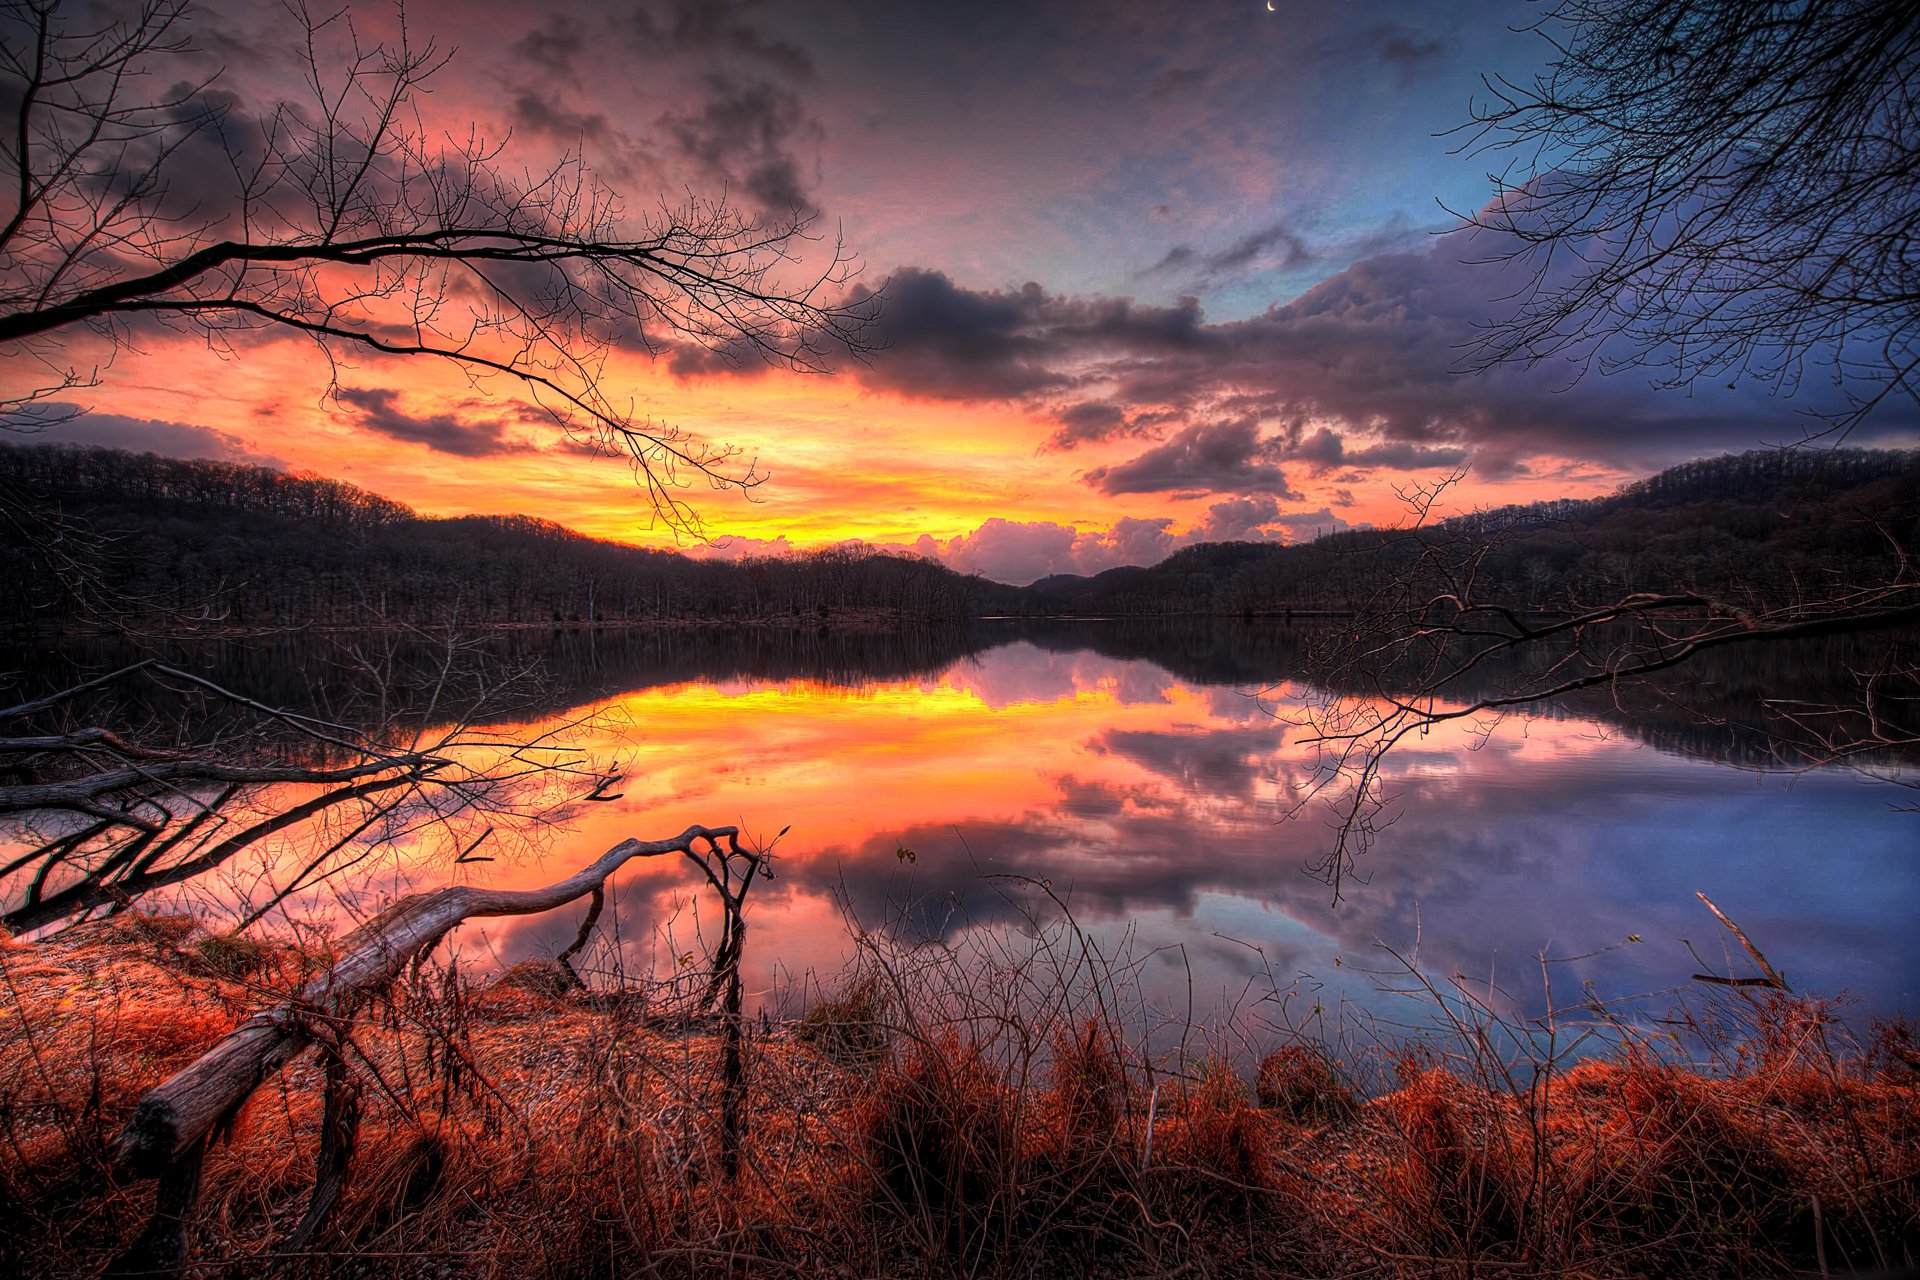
(1764, 525)
(89, 533)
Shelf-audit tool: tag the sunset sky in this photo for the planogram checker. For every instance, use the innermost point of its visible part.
(1151, 273)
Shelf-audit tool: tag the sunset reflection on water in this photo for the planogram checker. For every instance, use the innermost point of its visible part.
(1156, 803)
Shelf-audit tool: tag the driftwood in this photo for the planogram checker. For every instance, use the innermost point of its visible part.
(169, 1128)
(1774, 978)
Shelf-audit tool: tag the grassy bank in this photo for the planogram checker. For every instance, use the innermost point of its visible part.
(930, 1120)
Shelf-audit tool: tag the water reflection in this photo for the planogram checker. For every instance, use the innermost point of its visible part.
(1148, 789)
(1150, 799)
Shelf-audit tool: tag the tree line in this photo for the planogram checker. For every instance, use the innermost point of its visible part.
(106, 535)
(1764, 529)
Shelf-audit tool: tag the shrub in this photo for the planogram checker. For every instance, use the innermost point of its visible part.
(1218, 1145)
(854, 1025)
(1687, 1183)
(1301, 1084)
(941, 1144)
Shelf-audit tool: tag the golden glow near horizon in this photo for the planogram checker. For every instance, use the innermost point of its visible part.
(1003, 742)
(841, 461)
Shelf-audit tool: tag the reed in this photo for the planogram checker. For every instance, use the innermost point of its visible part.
(1009, 1107)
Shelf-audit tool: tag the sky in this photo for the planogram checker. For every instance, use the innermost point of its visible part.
(1148, 274)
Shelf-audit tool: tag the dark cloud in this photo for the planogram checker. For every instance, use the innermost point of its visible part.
(1405, 47)
(1324, 450)
(1090, 421)
(744, 134)
(553, 45)
(1179, 260)
(942, 341)
(536, 112)
(1273, 248)
(55, 422)
(1364, 371)
(441, 432)
(184, 167)
(1252, 248)
(1401, 456)
(679, 27)
(1214, 457)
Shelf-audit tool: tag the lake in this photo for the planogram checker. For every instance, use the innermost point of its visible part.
(939, 785)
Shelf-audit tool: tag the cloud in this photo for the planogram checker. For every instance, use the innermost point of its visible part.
(1008, 550)
(1258, 518)
(940, 341)
(535, 112)
(1324, 451)
(1087, 421)
(1273, 248)
(681, 27)
(1363, 372)
(1140, 541)
(1240, 519)
(1210, 458)
(1020, 552)
(1305, 526)
(944, 342)
(553, 45)
(441, 432)
(55, 422)
(743, 135)
(1404, 47)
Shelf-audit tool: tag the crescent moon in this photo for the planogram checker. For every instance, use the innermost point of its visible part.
(1270, 7)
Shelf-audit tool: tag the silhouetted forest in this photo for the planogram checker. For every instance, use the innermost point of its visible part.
(1768, 526)
(103, 534)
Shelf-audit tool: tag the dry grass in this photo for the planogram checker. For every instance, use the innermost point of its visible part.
(941, 1117)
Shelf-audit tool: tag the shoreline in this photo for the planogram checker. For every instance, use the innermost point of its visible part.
(525, 1128)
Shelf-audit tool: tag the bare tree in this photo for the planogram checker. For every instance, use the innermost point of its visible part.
(136, 191)
(1446, 638)
(194, 774)
(1715, 189)
(1705, 189)
(346, 218)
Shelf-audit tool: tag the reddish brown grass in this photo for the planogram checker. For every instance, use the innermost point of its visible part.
(524, 1129)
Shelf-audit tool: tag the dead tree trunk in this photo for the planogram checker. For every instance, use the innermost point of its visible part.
(169, 1128)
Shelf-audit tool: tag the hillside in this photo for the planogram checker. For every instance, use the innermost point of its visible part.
(99, 533)
(1760, 526)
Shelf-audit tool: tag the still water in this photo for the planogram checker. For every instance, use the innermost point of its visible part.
(1151, 781)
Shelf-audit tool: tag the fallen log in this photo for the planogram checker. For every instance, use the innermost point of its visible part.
(170, 1124)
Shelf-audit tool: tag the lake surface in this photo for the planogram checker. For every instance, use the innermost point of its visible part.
(1146, 776)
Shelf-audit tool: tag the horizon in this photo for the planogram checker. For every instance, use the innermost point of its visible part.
(1148, 279)
(706, 551)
